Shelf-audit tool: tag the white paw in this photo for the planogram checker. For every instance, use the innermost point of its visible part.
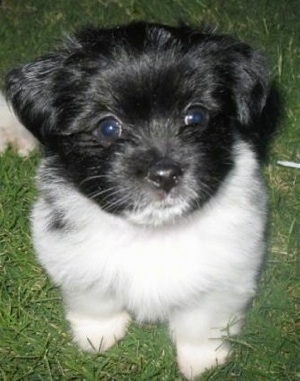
(25, 145)
(14, 134)
(97, 335)
(195, 358)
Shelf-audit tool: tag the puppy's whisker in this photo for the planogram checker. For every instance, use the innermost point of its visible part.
(112, 201)
(97, 193)
(112, 191)
(96, 177)
(118, 203)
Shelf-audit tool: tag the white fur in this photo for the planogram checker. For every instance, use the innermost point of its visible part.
(13, 133)
(198, 274)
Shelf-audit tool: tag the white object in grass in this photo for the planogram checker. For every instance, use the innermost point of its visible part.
(289, 164)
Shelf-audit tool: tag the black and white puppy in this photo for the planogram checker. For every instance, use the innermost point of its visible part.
(151, 200)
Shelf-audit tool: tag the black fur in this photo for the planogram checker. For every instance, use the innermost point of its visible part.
(146, 76)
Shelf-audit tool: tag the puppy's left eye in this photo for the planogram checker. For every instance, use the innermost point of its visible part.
(108, 131)
(196, 115)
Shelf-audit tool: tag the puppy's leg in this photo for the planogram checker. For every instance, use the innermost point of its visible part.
(96, 323)
(199, 333)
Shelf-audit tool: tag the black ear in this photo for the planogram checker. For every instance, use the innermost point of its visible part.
(250, 81)
(258, 101)
(29, 89)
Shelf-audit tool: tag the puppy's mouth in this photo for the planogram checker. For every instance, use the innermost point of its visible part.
(157, 213)
(164, 198)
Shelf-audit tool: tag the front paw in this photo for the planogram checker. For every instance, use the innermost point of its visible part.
(195, 358)
(98, 334)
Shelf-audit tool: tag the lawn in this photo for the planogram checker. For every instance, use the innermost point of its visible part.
(34, 340)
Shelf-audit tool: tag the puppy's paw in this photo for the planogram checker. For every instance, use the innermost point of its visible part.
(17, 138)
(13, 133)
(98, 334)
(195, 358)
(24, 144)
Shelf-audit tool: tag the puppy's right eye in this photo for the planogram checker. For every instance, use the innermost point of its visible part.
(196, 116)
(108, 131)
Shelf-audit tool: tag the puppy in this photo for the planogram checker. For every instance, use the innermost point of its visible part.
(152, 204)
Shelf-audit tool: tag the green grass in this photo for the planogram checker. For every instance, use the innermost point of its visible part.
(34, 340)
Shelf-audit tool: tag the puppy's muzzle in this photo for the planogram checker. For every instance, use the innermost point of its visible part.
(164, 175)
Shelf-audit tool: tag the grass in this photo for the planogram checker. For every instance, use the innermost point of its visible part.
(34, 339)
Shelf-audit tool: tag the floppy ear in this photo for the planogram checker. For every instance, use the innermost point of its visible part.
(29, 89)
(250, 82)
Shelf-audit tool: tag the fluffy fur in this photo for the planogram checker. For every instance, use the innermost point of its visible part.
(151, 201)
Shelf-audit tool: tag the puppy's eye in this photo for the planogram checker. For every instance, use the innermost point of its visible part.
(196, 115)
(108, 131)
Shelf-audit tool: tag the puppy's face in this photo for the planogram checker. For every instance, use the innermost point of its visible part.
(143, 118)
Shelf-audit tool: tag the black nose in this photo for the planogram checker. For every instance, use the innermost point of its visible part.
(164, 174)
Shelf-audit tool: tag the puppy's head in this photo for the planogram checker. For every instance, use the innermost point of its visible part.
(143, 118)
